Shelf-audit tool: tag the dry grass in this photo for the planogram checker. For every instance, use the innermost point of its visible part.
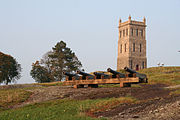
(107, 104)
(163, 75)
(136, 86)
(12, 96)
(175, 92)
(58, 83)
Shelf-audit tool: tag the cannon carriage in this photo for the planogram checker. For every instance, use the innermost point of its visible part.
(125, 80)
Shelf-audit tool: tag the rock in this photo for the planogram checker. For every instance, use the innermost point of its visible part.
(122, 113)
(156, 110)
(135, 116)
(150, 111)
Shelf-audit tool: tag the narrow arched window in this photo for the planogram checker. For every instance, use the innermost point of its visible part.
(132, 31)
(121, 49)
(123, 33)
(133, 47)
(142, 33)
(140, 47)
(143, 65)
(125, 47)
(136, 32)
(131, 64)
(126, 32)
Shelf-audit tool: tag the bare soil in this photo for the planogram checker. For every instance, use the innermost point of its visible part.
(155, 102)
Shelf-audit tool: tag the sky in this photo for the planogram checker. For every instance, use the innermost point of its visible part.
(30, 28)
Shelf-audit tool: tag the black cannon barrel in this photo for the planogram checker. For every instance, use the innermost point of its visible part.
(115, 73)
(99, 75)
(129, 70)
(71, 75)
(84, 75)
(142, 77)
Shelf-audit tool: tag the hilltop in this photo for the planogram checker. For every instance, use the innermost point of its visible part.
(159, 99)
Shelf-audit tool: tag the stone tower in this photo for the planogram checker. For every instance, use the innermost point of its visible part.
(132, 44)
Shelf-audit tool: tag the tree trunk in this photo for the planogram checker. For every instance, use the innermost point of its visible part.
(7, 81)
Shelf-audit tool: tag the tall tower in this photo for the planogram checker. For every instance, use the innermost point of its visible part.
(132, 44)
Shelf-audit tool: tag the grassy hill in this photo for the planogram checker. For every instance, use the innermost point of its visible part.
(163, 75)
(69, 109)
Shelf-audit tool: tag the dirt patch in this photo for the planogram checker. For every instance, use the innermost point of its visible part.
(60, 92)
(159, 109)
(154, 100)
(155, 103)
(150, 92)
(45, 94)
(143, 93)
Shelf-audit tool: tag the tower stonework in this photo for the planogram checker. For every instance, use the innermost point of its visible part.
(132, 44)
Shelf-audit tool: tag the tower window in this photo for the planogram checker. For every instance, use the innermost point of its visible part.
(131, 64)
(133, 47)
(121, 49)
(140, 47)
(126, 32)
(132, 32)
(142, 33)
(143, 65)
(136, 32)
(125, 47)
(123, 33)
(120, 34)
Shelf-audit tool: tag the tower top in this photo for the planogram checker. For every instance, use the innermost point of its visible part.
(144, 20)
(119, 20)
(132, 22)
(129, 18)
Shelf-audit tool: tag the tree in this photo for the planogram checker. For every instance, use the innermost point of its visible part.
(54, 62)
(46, 61)
(40, 73)
(9, 69)
(63, 59)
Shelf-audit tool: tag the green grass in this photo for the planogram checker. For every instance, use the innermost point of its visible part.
(62, 109)
(163, 75)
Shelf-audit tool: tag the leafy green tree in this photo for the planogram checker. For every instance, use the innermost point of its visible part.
(46, 62)
(54, 62)
(63, 59)
(40, 73)
(9, 69)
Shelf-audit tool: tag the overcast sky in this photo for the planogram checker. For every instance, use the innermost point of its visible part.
(30, 28)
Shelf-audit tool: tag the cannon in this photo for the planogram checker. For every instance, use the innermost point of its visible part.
(142, 77)
(85, 75)
(71, 75)
(101, 75)
(115, 73)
